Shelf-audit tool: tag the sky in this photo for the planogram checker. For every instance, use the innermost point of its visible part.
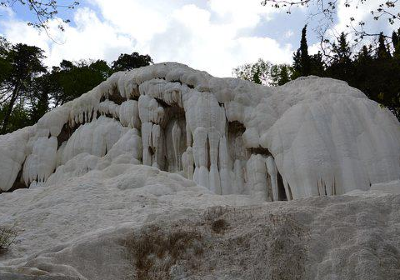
(210, 35)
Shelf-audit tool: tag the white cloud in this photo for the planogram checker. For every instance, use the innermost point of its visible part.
(4, 10)
(289, 34)
(361, 12)
(242, 14)
(90, 38)
(206, 37)
(314, 48)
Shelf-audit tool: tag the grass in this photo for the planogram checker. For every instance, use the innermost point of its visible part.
(155, 251)
(8, 234)
(273, 248)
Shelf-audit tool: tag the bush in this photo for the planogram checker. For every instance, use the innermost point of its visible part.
(154, 250)
(7, 237)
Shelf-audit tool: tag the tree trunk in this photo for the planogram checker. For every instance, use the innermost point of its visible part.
(14, 97)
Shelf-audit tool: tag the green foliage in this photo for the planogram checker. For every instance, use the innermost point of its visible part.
(301, 59)
(305, 64)
(382, 52)
(259, 72)
(130, 61)
(21, 64)
(28, 90)
(341, 66)
(373, 69)
(70, 80)
(281, 74)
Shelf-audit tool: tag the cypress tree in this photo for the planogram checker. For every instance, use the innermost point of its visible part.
(302, 61)
(396, 43)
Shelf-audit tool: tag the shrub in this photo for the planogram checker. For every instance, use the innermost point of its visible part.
(154, 250)
(7, 237)
(219, 226)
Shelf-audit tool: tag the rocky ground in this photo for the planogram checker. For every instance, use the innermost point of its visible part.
(136, 222)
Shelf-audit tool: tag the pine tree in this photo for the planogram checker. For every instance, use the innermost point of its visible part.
(283, 75)
(363, 70)
(341, 66)
(280, 74)
(342, 51)
(382, 52)
(317, 65)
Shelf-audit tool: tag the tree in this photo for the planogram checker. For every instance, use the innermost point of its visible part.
(396, 43)
(127, 62)
(341, 50)
(43, 89)
(258, 72)
(43, 10)
(28, 90)
(280, 74)
(25, 64)
(382, 52)
(5, 66)
(301, 59)
(341, 65)
(317, 64)
(74, 79)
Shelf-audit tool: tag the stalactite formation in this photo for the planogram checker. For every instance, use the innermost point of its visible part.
(310, 137)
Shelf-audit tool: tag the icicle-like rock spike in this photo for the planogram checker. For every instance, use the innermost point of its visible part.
(273, 173)
(176, 140)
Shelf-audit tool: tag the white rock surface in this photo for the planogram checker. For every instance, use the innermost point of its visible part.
(99, 206)
(94, 227)
(310, 137)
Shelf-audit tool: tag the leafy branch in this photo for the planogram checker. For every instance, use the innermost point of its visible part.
(44, 11)
(327, 10)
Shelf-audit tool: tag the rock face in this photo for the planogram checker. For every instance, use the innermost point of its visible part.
(137, 222)
(107, 197)
(311, 137)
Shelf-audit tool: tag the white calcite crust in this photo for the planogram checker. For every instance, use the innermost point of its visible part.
(310, 137)
(79, 226)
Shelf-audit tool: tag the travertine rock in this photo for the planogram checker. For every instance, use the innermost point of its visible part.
(310, 137)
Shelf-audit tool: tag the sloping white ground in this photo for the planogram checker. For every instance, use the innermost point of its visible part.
(95, 226)
(310, 137)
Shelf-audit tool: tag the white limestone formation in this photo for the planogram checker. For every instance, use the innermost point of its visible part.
(310, 137)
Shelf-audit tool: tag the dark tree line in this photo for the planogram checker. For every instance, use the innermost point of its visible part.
(373, 68)
(28, 89)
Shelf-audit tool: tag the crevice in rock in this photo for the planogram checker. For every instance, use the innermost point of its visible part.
(236, 127)
(18, 184)
(260, 151)
(282, 196)
(116, 98)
